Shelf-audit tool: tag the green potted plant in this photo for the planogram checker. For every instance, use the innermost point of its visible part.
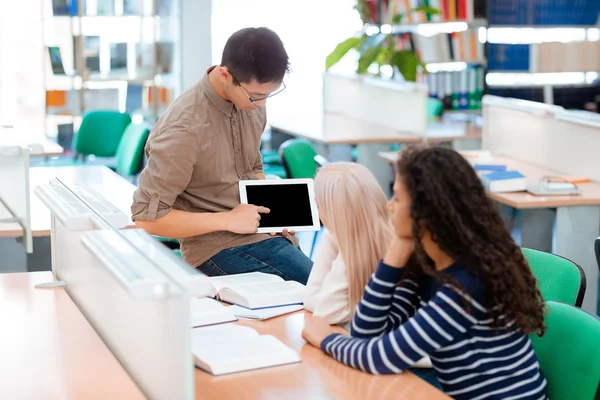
(379, 48)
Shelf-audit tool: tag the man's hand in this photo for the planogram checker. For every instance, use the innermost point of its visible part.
(244, 219)
(285, 233)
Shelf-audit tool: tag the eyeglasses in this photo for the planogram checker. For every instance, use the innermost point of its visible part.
(252, 100)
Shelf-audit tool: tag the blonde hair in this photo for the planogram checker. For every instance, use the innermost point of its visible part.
(354, 208)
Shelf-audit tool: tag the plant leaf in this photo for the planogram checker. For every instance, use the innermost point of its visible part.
(406, 61)
(340, 51)
(367, 58)
(426, 9)
(397, 19)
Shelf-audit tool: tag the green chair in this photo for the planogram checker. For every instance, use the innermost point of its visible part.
(298, 158)
(100, 133)
(569, 352)
(130, 153)
(559, 279)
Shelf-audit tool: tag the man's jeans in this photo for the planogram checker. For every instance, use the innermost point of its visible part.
(272, 256)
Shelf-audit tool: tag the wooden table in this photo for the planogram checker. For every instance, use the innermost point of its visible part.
(106, 182)
(318, 376)
(331, 129)
(49, 350)
(338, 134)
(574, 219)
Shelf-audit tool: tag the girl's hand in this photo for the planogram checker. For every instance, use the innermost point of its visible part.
(316, 330)
(399, 252)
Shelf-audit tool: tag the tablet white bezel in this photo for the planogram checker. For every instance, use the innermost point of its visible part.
(316, 225)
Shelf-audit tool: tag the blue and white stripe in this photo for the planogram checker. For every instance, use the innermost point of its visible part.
(396, 325)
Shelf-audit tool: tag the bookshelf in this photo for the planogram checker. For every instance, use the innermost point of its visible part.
(109, 54)
(545, 51)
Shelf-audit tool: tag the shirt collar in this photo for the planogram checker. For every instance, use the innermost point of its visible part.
(226, 107)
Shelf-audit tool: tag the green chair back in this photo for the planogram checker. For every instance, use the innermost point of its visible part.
(299, 158)
(100, 133)
(434, 109)
(569, 352)
(559, 279)
(130, 152)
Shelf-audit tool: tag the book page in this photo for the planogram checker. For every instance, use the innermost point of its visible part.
(210, 335)
(250, 278)
(264, 313)
(239, 355)
(264, 295)
(206, 311)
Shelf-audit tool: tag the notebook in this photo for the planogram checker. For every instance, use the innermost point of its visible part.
(209, 312)
(230, 348)
(257, 290)
(262, 314)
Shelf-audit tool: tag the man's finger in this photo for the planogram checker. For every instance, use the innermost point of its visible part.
(262, 210)
(293, 233)
(285, 232)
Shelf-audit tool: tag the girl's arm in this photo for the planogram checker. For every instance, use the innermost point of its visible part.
(326, 253)
(385, 305)
(332, 302)
(442, 321)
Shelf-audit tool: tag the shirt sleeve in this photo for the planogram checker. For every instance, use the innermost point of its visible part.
(258, 167)
(326, 254)
(171, 155)
(333, 302)
(385, 304)
(435, 325)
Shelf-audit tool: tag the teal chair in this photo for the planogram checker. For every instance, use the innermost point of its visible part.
(99, 135)
(298, 158)
(559, 278)
(130, 153)
(569, 352)
(301, 160)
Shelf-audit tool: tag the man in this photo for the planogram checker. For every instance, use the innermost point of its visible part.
(204, 144)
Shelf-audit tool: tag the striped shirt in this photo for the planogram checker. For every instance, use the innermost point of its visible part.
(397, 324)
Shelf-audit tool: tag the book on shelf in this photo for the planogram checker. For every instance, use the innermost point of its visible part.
(458, 90)
(56, 61)
(449, 10)
(565, 57)
(230, 348)
(257, 290)
(444, 47)
(64, 7)
(118, 55)
(504, 181)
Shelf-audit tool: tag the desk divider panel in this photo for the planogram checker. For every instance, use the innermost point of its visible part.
(135, 306)
(401, 106)
(14, 190)
(544, 135)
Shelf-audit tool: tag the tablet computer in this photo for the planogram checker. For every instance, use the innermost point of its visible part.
(291, 201)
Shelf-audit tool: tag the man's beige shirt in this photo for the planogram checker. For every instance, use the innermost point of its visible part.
(197, 153)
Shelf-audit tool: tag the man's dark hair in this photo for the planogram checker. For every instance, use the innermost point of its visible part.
(255, 53)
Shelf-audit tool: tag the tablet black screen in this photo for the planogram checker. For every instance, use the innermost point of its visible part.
(289, 204)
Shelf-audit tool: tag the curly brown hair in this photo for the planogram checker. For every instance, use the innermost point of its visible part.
(449, 200)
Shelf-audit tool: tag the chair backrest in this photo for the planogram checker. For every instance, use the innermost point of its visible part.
(597, 250)
(100, 133)
(560, 279)
(130, 152)
(298, 158)
(569, 352)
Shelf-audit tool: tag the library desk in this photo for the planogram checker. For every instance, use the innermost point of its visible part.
(574, 220)
(318, 376)
(102, 179)
(335, 136)
(50, 351)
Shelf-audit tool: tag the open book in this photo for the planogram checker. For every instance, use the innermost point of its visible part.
(230, 348)
(209, 312)
(257, 290)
